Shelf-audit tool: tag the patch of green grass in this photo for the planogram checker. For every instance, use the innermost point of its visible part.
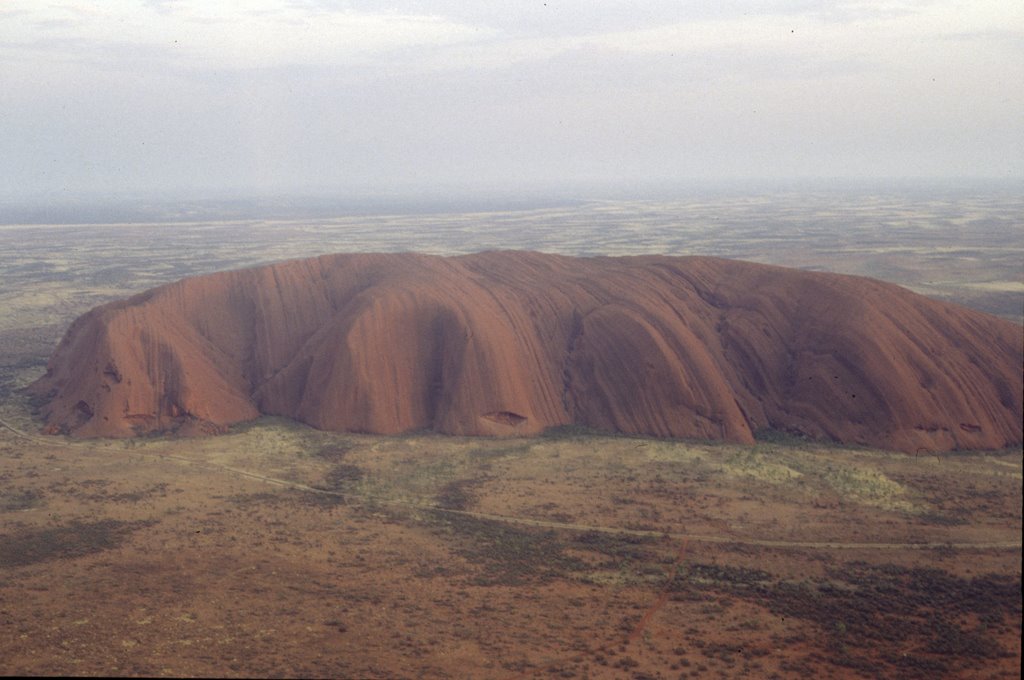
(573, 432)
(867, 611)
(457, 494)
(943, 520)
(334, 451)
(617, 546)
(131, 496)
(782, 438)
(13, 500)
(867, 486)
(506, 554)
(342, 476)
(492, 452)
(751, 462)
(271, 423)
(78, 539)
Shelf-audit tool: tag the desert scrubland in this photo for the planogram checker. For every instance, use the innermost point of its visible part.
(278, 549)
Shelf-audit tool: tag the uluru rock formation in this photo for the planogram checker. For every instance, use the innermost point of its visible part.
(510, 343)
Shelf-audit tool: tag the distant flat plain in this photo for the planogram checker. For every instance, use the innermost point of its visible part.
(280, 550)
(965, 246)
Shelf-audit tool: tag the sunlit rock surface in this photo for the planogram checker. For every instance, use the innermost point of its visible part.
(512, 343)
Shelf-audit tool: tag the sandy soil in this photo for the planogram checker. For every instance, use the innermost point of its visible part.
(277, 550)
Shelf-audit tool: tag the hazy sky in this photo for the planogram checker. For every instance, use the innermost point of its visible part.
(200, 96)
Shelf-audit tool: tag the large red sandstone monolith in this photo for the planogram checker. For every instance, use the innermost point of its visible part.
(512, 343)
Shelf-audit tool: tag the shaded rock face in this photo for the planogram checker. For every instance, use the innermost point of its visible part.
(512, 343)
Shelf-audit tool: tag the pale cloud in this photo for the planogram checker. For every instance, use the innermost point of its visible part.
(268, 33)
(287, 94)
(889, 32)
(256, 34)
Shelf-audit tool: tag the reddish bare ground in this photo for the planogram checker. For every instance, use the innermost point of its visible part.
(512, 343)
